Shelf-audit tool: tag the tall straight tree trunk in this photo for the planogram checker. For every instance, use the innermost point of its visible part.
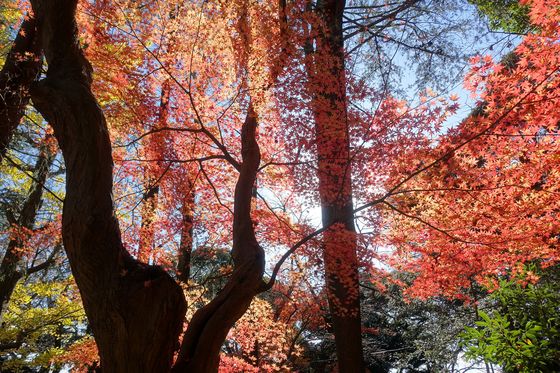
(10, 268)
(327, 83)
(148, 214)
(186, 243)
(22, 66)
(153, 171)
(135, 311)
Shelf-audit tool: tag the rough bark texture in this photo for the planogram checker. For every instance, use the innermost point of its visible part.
(11, 267)
(135, 311)
(209, 327)
(328, 85)
(20, 70)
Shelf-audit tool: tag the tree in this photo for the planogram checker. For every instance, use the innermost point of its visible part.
(327, 86)
(109, 279)
(117, 291)
(507, 15)
(44, 320)
(411, 334)
(519, 326)
(490, 171)
(20, 69)
(10, 267)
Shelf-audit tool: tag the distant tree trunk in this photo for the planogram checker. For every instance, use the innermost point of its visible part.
(186, 243)
(11, 267)
(328, 88)
(153, 172)
(148, 214)
(135, 311)
(20, 70)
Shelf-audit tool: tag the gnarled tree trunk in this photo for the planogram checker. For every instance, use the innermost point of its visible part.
(210, 325)
(135, 311)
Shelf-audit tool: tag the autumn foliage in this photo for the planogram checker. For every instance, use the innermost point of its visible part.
(196, 138)
(487, 200)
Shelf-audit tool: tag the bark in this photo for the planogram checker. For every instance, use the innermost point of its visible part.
(186, 243)
(22, 66)
(11, 268)
(135, 311)
(328, 87)
(209, 327)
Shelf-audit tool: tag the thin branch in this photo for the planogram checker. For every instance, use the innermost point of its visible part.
(50, 260)
(442, 231)
(303, 241)
(213, 188)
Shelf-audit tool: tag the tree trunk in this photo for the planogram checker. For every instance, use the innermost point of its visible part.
(209, 327)
(153, 171)
(186, 243)
(22, 66)
(148, 213)
(135, 311)
(328, 87)
(10, 268)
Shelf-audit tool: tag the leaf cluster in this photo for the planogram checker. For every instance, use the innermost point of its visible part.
(43, 319)
(506, 15)
(521, 328)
